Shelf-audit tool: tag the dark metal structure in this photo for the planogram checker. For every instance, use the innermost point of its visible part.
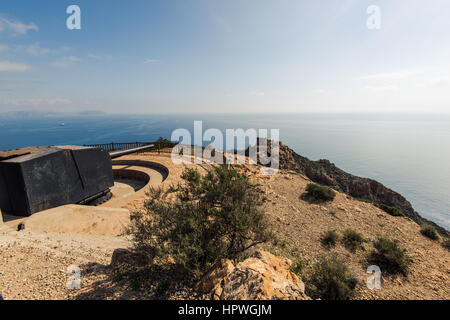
(40, 178)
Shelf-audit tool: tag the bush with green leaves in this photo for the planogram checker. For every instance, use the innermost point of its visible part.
(319, 193)
(330, 238)
(211, 217)
(352, 240)
(331, 280)
(393, 211)
(389, 256)
(429, 232)
(299, 268)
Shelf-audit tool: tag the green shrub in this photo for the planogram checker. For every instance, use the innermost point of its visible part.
(330, 239)
(331, 280)
(429, 232)
(393, 211)
(364, 200)
(299, 268)
(161, 288)
(118, 277)
(389, 257)
(319, 193)
(212, 217)
(352, 240)
(134, 281)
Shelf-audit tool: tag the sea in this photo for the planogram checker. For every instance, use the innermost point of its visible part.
(409, 153)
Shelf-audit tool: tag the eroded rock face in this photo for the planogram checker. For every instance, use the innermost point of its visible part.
(325, 172)
(263, 276)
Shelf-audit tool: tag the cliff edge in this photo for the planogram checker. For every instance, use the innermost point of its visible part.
(326, 173)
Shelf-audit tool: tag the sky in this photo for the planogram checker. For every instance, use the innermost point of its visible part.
(210, 56)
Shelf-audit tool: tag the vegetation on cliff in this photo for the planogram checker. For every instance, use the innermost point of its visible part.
(429, 232)
(389, 256)
(352, 240)
(331, 280)
(326, 173)
(391, 210)
(319, 193)
(330, 238)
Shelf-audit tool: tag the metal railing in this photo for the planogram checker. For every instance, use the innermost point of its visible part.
(122, 146)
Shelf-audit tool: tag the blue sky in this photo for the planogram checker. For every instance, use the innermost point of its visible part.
(146, 56)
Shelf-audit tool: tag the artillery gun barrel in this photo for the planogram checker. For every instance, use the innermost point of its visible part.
(117, 154)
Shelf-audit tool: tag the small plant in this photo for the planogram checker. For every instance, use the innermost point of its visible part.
(135, 283)
(299, 268)
(429, 232)
(352, 240)
(389, 257)
(118, 277)
(283, 244)
(393, 211)
(330, 238)
(331, 280)
(161, 288)
(319, 193)
(364, 200)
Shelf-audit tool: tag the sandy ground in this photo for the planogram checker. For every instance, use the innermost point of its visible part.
(34, 262)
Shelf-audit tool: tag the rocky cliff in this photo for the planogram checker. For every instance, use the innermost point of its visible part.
(326, 173)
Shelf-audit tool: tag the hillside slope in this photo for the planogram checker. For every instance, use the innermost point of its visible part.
(326, 173)
(38, 259)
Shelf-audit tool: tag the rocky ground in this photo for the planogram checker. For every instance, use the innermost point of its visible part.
(33, 264)
(300, 225)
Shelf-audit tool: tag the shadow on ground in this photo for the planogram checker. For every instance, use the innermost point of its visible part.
(125, 282)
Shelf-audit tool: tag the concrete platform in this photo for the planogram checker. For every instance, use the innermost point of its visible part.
(77, 219)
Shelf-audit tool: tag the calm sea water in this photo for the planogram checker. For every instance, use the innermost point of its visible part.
(407, 153)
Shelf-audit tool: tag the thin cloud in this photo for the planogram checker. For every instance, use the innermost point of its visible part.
(37, 102)
(3, 48)
(66, 62)
(258, 93)
(392, 75)
(99, 57)
(35, 49)
(434, 82)
(94, 56)
(382, 88)
(6, 66)
(151, 61)
(16, 27)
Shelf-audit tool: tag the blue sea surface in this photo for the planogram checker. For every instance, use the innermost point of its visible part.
(407, 153)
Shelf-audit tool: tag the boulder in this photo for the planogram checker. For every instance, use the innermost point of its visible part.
(263, 276)
(124, 256)
(120, 256)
